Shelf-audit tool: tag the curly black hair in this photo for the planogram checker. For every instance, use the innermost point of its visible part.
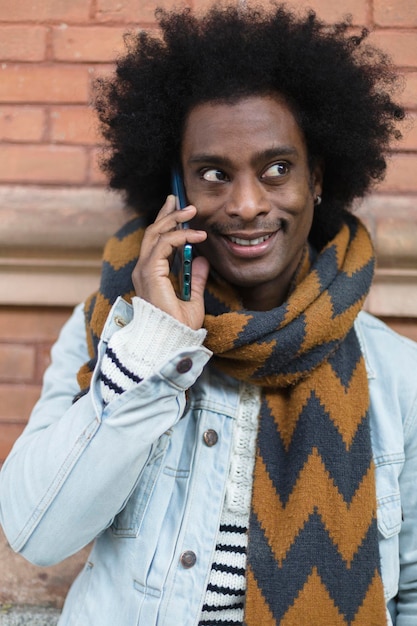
(340, 89)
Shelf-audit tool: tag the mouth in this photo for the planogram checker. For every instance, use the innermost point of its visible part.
(249, 242)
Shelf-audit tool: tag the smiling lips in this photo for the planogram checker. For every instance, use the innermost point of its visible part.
(249, 242)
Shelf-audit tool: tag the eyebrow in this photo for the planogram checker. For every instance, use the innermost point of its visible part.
(262, 155)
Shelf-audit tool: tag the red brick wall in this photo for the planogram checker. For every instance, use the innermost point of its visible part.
(50, 52)
(25, 340)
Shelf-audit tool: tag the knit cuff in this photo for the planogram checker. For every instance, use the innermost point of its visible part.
(137, 350)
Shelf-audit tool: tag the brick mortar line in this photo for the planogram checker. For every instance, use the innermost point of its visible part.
(7, 422)
(144, 24)
(61, 143)
(54, 143)
(59, 184)
(53, 62)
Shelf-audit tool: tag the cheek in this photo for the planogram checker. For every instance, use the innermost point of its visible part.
(305, 221)
(207, 212)
(199, 222)
(298, 228)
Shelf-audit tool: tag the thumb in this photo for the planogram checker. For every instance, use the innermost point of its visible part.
(200, 272)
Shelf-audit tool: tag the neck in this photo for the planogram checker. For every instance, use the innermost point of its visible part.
(263, 297)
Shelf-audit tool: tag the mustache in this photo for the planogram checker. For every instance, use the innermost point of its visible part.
(241, 225)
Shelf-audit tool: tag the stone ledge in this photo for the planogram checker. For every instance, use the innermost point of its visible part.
(392, 222)
(39, 221)
(51, 242)
(393, 293)
(28, 616)
(47, 283)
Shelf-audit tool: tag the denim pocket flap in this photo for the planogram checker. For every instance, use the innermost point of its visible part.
(389, 515)
(127, 522)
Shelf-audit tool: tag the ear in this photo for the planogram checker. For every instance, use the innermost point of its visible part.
(317, 174)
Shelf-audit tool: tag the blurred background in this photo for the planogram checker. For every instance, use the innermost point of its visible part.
(55, 211)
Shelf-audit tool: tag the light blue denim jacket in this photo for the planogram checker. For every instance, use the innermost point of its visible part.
(138, 476)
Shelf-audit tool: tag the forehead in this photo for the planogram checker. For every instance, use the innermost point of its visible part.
(250, 123)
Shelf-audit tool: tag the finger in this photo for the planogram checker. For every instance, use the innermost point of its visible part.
(174, 238)
(156, 259)
(168, 207)
(200, 272)
(167, 225)
(171, 221)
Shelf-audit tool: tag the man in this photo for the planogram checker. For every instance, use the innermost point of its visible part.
(247, 456)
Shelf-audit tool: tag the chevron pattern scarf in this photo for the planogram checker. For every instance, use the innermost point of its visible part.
(313, 556)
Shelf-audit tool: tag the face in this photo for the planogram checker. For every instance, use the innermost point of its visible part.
(246, 170)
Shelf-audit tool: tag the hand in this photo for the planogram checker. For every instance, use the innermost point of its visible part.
(151, 274)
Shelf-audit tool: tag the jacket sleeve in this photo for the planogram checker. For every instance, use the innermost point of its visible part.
(407, 596)
(392, 365)
(75, 465)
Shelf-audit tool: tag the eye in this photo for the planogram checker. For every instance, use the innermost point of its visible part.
(277, 170)
(214, 175)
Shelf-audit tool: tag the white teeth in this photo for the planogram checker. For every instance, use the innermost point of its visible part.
(249, 242)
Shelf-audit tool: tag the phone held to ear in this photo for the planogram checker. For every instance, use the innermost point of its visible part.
(186, 251)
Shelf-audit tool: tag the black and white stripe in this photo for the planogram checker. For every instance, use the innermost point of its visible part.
(140, 346)
(115, 377)
(225, 596)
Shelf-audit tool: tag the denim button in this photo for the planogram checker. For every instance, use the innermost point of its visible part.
(210, 437)
(184, 365)
(188, 559)
(119, 321)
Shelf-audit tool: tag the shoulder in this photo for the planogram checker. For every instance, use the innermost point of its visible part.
(383, 347)
(391, 363)
(72, 340)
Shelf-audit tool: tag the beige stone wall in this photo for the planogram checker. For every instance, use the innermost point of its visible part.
(55, 213)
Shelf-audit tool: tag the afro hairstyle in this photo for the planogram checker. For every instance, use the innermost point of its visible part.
(339, 87)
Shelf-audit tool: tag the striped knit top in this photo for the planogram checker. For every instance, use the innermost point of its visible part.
(225, 596)
(132, 354)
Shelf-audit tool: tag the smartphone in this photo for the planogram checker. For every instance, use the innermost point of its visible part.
(186, 251)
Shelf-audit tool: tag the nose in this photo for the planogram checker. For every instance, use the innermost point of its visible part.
(247, 198)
